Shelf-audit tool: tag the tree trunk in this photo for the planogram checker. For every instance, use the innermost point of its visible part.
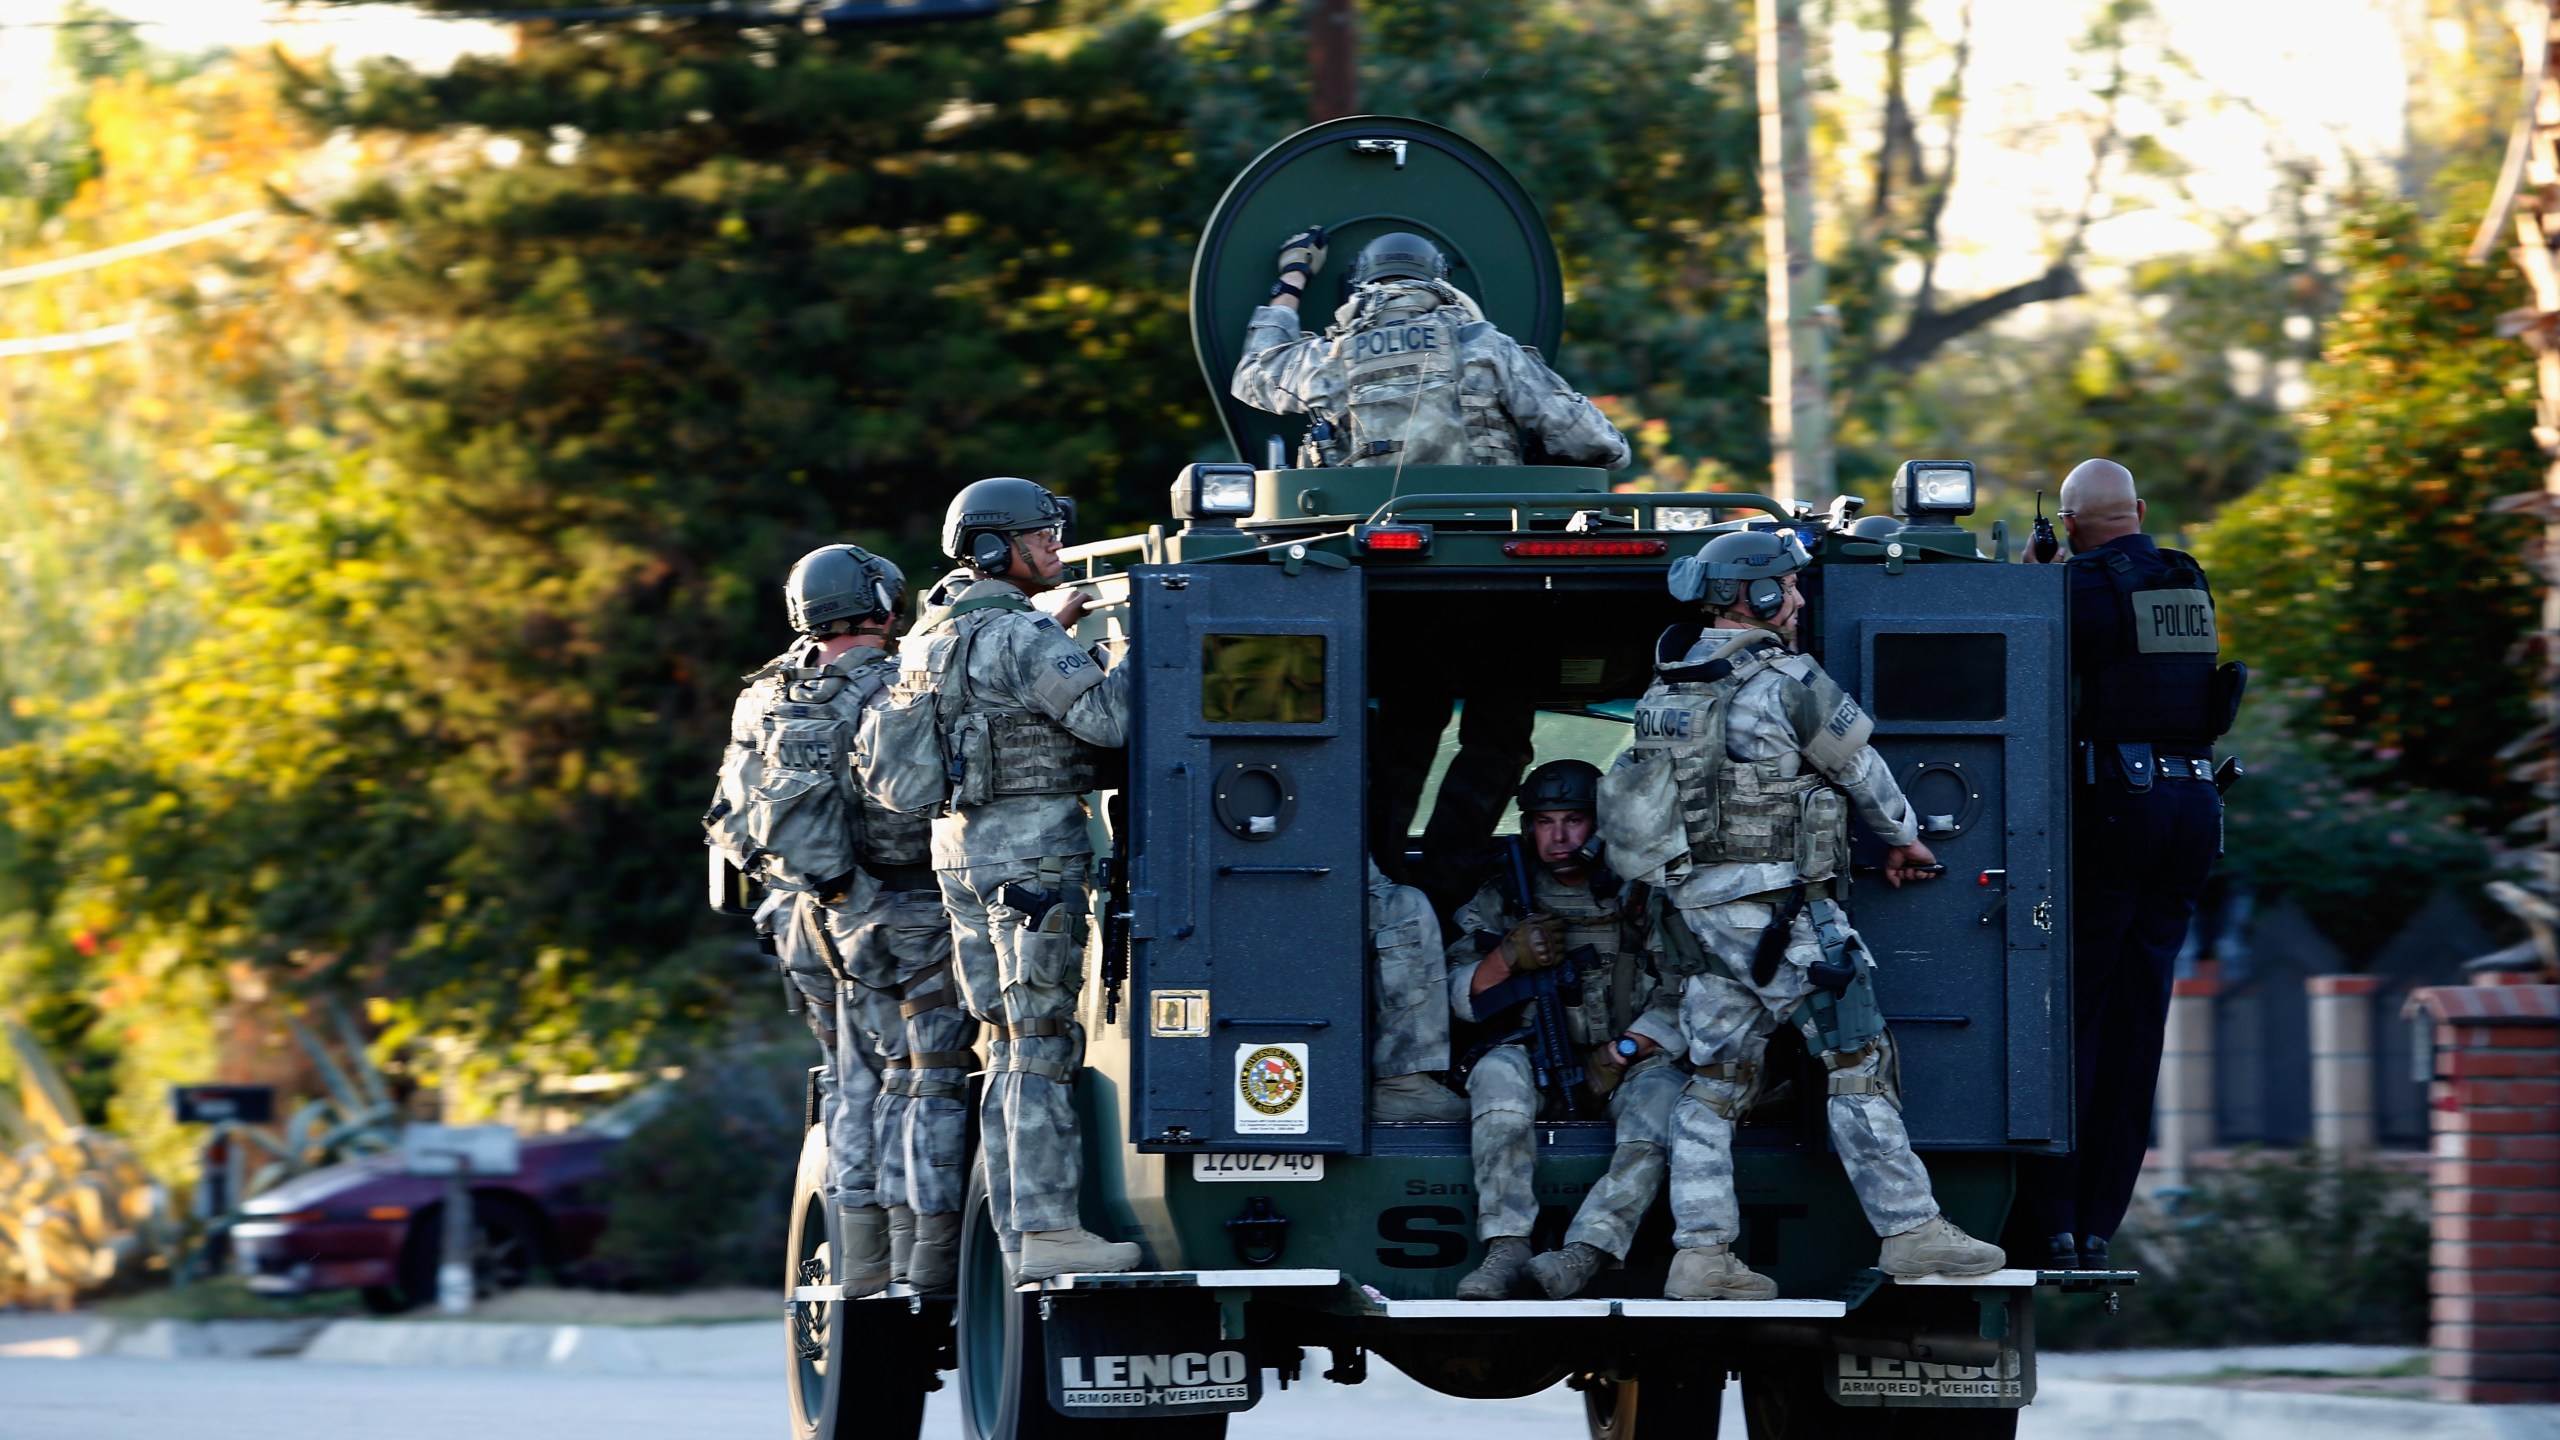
(1333, 49)
(1799, 379)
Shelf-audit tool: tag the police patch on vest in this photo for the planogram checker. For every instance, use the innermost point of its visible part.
(2173, 622)
(1394, 340)
(1661, 725)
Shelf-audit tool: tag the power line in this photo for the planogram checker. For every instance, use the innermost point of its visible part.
(170, 240)
(74, 340)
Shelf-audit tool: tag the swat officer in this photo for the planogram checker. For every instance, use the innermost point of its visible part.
(2148, 703)
(1735, 798)
(1409, 1021)
(1026, 717)
(856, 920)
(1573, 909)
(1410, 372)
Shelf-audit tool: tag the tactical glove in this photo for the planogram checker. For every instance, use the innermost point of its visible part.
(1535, 943)
(1302, 255)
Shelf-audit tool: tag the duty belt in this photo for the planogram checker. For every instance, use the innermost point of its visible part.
(2182, 767)
(1031, 1029)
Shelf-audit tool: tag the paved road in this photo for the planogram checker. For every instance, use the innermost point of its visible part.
(112, 1399)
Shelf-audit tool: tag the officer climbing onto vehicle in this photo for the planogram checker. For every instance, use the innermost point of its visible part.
(1575, 915)
(1000, 724)
(1410, 372)
(2149, 701)
(1409, 1021)
(855, 918)
(1734, 799)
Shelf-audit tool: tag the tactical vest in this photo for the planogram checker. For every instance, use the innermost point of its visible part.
(1757, 812)
(2159, 686)
(997, 751)
(1417, 391)
(788, 809)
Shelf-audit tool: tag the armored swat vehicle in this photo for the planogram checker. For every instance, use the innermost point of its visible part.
(1226, 998)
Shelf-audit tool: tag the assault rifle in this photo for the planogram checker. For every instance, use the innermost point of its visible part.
(1547, 993)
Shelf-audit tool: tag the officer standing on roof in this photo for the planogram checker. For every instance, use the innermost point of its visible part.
(1576, 910)
(1735, 800)
(1029, 715)
(1411, 373)
(857, 921)
(2147, 704)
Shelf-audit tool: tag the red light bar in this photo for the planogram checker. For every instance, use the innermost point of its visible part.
(1575, 549)
(1395, 539)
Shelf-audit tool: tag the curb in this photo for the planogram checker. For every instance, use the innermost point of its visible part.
(748, 1347)
(2075, 1407)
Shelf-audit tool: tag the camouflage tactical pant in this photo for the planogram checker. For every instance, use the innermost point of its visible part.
(1017, 969)
(1727, 1025)
(923, 1121)
(1503, 1102)
(1409, 1018)
(849, 1069)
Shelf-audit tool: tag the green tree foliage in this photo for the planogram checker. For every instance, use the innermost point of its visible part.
(2376, 572)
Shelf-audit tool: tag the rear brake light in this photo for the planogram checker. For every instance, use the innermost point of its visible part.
(1574, 549)
(1395, 539)
(387, 1212)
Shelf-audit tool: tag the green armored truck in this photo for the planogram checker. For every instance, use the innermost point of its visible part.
(1280, 623)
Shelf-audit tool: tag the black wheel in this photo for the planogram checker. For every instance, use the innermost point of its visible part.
(506, 1249)
(1004, 1381)
(1662, 1404)
(384, 1299)
(853, 1367)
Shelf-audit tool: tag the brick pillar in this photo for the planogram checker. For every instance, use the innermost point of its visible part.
(2342, 1061)
(2495, 1107)
(2184, 1109)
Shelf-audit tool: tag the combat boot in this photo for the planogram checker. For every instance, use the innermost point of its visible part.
(1414, 1097)
(1506, 1259)
(862, 1262)
(1938, 1248)
(1563, 1273)
(1711, 1272)
(902, 1242)
(1046, 1253)
(936, 1262)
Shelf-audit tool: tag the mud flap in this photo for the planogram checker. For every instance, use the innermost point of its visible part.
(2006, 1317)
(1141, 1355)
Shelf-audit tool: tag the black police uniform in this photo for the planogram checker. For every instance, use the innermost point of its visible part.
(2147, 703)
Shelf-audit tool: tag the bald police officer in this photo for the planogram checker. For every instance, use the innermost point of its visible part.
(1735, 798)
(1411, 373)
(2148, 701)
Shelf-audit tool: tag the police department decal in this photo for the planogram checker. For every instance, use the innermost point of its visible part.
(1271, 1089)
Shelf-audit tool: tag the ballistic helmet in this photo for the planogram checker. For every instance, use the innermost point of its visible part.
(1561, 785)
(1740, 569)
(984, 517)
(836, 587)
(1398, 255)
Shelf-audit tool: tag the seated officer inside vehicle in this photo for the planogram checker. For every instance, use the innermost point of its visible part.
(1550, 959)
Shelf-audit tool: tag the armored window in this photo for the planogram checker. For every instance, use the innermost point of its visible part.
(1941, 677)
(1262, 679)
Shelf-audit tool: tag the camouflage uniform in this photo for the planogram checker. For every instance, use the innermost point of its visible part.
(1412, 373)
(1721, 1016)
(1502, 1089)
(1013, 867)
(1409, 1028)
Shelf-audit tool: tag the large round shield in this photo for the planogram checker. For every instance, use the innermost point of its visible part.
(1361, 178)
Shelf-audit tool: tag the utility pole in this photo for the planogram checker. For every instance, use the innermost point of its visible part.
(1799, 368)
(1333, 57)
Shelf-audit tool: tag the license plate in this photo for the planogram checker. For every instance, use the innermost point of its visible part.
(1257, 1167)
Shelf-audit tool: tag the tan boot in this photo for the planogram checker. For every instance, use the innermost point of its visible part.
(1712, 1272)
(1414, 1097)
(936, 1261)
(1563, 1273)
(862, 1261)
(1506, 1260)
(1938, 1248)
(1047, 1253)
(902, 1241)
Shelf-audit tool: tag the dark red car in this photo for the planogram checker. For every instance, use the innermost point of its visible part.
(365, 1225)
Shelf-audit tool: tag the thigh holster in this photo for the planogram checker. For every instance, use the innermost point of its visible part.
(1727, 1087)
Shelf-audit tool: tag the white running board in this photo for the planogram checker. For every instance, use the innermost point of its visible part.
(1781, 1308)
(1191, 1280)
